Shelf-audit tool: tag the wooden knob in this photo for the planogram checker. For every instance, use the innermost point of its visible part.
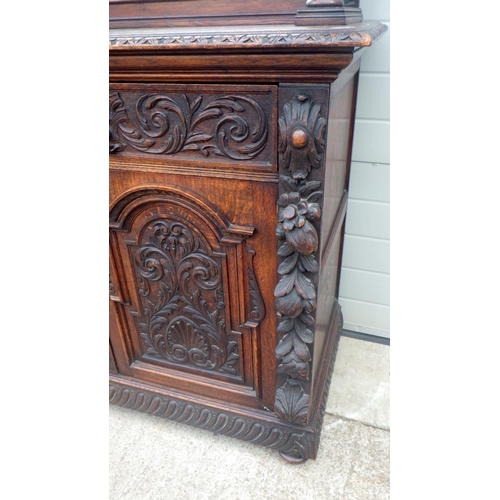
(299, 138)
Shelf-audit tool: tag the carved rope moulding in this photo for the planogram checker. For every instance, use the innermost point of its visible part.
(230, 126)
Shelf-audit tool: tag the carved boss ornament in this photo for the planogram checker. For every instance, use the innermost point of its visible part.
(301, 136)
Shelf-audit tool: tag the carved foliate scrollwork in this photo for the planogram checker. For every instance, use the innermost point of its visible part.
(301, 149)
(117, 120)
(180, 284)
(172, 123)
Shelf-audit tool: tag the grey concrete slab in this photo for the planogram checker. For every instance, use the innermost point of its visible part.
(360, 388)
(155, 459)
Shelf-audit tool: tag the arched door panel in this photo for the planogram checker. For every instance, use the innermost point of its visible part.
(184, 321)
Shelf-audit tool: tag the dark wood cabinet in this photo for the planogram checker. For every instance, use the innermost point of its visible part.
(229, 155)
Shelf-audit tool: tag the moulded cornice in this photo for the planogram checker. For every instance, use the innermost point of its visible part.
(360, 35)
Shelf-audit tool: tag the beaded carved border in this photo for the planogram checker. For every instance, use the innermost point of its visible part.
(276, 38)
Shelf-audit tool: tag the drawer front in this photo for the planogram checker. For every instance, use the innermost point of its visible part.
(210, 126)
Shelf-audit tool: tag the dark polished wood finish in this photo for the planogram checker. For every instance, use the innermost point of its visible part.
(229, 158)
(166, 13)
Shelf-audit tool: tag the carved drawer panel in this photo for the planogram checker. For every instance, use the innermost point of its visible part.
(213, 126)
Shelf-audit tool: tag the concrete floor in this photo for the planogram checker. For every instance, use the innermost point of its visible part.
(152, 458)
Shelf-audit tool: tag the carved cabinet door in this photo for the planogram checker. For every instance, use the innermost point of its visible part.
(190, 304)
(193, 182)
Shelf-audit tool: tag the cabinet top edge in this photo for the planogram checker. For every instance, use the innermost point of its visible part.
(276, 38)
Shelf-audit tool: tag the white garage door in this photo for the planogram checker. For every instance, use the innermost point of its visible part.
(364, 285)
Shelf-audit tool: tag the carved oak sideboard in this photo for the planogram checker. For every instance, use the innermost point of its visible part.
(229, 157)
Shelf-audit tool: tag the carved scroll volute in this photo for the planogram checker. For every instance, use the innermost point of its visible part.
(173, 123)
(117, 119)
(301, 150)
(257, 308)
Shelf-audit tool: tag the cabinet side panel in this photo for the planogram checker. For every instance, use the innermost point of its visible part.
(338, 158)
(338, 154)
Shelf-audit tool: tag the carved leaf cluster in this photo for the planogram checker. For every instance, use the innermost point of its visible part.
(295, 293)
(301, 149)
(170, 124)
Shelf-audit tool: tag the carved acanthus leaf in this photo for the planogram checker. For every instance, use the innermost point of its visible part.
(292, 403)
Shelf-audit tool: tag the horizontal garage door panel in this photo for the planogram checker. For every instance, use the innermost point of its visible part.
(364, 317)
(366, 254)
